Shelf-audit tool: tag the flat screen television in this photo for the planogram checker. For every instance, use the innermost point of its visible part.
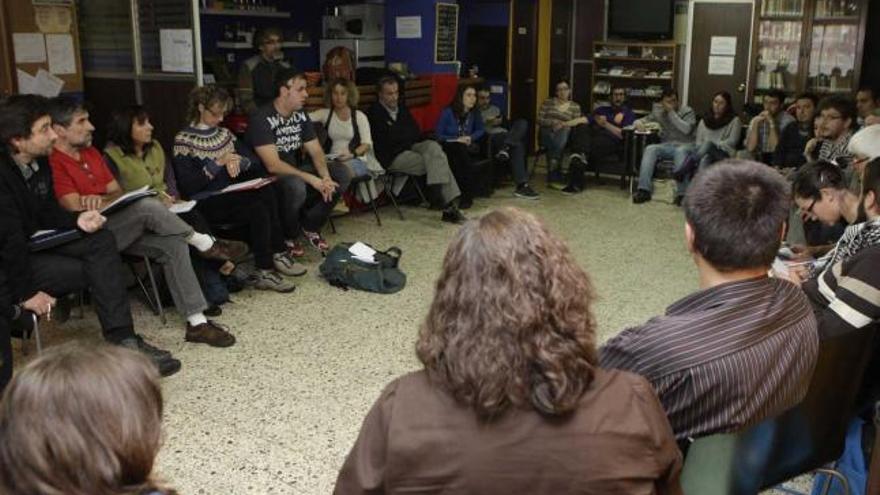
(641, 19)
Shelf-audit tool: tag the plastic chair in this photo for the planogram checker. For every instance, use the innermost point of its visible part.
(805, 438)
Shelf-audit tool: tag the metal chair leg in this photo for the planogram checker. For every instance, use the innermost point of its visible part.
(158, 301)
(833, 473)
(373, 204)
(389, 188)
(419, 190)
(332, 225)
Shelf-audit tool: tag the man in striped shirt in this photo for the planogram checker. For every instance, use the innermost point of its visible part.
(743, 347)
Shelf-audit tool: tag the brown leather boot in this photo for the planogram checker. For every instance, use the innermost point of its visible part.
(211, 333)
(225, 250)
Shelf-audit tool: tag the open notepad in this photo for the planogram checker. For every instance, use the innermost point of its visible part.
(248, 185)
(127, 199)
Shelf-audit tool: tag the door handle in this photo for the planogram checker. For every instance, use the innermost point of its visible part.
(741, 88)
(530, 81)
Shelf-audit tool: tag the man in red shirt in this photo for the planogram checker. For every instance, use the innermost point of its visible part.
(83, 182)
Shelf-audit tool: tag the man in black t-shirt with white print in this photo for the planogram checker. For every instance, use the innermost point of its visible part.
(280, 132)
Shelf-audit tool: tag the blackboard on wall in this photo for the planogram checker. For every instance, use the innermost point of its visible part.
(446, 33)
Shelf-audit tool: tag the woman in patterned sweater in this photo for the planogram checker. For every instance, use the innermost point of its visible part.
(207, 158)
(556, 117)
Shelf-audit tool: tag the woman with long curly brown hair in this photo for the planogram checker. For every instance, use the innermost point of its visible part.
(82, 421)
(511, 398)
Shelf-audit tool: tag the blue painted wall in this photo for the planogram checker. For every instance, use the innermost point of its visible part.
(417, 53)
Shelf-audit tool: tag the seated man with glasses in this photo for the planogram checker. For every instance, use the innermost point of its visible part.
(257, 74)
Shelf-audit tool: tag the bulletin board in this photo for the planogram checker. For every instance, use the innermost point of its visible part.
(446, 33)
(44, 42)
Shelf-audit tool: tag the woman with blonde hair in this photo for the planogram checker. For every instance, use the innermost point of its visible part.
(348, 138)
(82, 421)
(511, 398)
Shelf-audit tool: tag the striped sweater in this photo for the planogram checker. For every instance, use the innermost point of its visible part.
(846, 296)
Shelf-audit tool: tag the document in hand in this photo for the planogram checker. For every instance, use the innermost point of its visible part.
(182, 207)
(127, 199)
(47, 239)
(248, 185)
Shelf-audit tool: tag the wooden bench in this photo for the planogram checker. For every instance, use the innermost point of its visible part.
(418, 93)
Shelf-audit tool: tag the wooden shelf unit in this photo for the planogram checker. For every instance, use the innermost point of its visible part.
(635, 56)
(813, 21)
(246, 13)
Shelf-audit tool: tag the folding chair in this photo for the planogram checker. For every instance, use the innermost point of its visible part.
(154, 301)
(806, 438)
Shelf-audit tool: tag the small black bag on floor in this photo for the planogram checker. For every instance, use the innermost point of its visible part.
(341, 269)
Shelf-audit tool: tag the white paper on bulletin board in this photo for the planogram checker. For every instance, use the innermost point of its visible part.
(29, 48)
(721, 66)
(176, 46)
(723, 45)
(62, 60)
(409, 27)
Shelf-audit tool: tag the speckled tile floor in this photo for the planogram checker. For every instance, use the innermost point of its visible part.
(278, 412)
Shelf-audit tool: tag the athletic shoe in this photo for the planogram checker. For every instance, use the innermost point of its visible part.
(295, 248)
(525, 191)
(503, 155)
(288, 265)
(270, 280)
(316, 240)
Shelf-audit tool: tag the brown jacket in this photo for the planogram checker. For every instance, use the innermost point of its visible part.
(418, 440)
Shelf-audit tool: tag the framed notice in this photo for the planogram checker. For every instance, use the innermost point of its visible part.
(446, 33)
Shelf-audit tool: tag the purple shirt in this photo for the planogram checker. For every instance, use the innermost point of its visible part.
(620, 117)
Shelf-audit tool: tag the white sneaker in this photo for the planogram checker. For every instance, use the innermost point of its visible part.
(287, 264)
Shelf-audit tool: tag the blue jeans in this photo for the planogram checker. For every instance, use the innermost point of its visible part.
(554, 141)
(515, 139)
(657, 152)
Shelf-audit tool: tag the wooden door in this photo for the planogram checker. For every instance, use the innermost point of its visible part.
(7, 68)
(523, 81)
(719, 22)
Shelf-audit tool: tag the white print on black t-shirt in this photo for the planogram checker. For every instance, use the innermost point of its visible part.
(288, 131)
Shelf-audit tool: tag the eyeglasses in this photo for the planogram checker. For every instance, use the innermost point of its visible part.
(809, 209)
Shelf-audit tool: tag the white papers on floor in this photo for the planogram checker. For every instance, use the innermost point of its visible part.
(182, 207)
(362, 252)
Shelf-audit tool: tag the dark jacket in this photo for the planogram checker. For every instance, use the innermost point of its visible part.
(24, 213)
(392, 137)
(792, 142)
